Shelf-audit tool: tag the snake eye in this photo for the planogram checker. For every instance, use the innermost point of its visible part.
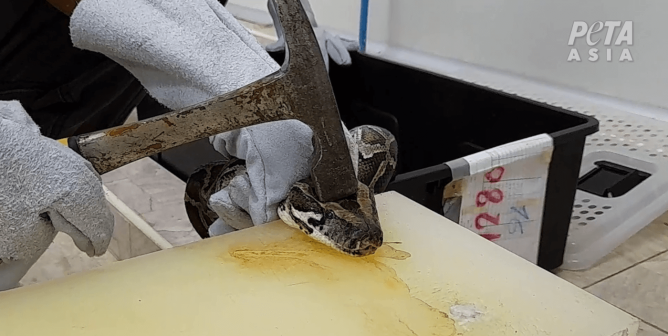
(329, 215)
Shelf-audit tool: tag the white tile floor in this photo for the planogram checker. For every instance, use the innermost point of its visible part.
(156, 195)
(634, 277)
(61, 259)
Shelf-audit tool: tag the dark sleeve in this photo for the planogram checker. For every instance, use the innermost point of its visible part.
(67, 91)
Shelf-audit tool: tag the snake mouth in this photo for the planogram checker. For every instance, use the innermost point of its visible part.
(365, 249)
(362, 242)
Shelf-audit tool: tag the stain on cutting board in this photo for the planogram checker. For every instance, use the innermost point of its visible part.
(354, 287)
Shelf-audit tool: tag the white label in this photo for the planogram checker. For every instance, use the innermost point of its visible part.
(503, 198)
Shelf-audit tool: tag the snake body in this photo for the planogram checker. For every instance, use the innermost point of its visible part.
(349, 225)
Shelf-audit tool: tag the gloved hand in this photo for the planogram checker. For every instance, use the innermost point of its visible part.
(46, 187)
(331, 45)
(277, 155)
(187, 51)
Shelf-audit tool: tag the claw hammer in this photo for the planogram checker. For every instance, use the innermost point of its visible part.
(300, 90)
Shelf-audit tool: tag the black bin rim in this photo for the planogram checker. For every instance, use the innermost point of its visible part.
(588, 127)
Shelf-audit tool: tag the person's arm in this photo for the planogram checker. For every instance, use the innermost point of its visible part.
(65, 6)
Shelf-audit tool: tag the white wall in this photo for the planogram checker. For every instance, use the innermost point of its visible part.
(340, 15)
(525, 37)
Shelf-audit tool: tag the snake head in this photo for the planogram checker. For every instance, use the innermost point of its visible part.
(350, 225)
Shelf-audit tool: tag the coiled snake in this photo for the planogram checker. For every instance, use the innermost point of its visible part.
(350, 225)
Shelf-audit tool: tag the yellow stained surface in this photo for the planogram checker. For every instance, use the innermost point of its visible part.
(273, 280)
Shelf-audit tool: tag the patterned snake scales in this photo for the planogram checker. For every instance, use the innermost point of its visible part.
(350, 225)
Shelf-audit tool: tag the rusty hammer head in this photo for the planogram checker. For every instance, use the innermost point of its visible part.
(300, 90)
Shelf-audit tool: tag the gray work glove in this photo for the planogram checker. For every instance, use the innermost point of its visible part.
(45, 188)
(331, 45)
(277, 155)
(187, 51)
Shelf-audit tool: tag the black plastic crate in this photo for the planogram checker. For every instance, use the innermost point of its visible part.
(437, 119)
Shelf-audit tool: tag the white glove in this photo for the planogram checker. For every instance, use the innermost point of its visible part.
(187, 51)
(41, 176)
(332, 46)
(277, 155)
(183, 52)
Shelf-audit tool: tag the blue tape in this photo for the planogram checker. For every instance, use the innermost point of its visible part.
(364, 17)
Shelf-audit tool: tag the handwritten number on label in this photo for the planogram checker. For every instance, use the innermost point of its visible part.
(494, 196)
(516, 224)
(495, 174)
(521, 210)
(487, 217)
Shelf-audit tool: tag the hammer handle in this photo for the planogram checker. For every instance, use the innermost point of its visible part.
(71, 142)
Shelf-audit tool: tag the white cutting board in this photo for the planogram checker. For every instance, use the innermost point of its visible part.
(273, 280)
